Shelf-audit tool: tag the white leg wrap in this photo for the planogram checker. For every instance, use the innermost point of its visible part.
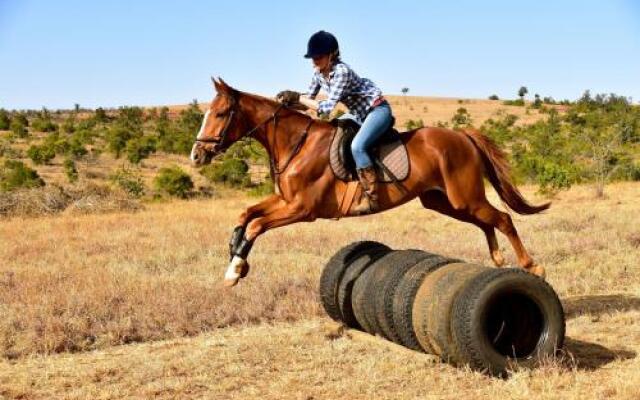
(234, 269)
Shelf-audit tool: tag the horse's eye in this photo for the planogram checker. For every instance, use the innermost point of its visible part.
(220, 114)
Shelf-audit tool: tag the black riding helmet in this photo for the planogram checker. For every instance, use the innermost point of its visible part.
(320, 44)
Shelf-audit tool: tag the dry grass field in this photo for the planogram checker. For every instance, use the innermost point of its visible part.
(130, 305)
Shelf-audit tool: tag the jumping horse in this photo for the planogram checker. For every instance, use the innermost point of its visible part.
(446, 173)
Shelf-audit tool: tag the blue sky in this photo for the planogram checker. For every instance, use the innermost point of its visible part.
(111, 53)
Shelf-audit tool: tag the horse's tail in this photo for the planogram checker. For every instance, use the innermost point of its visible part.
(499, 174)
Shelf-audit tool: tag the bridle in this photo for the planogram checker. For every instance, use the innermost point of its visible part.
(274, 117)
(225, 130)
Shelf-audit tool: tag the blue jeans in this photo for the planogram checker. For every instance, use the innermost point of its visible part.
(377, 122)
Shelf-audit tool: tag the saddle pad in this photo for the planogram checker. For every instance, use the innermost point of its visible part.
(393, 154)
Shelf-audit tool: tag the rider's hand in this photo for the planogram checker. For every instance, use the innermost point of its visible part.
(288, 97)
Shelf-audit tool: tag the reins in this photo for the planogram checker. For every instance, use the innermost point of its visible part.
(273, 161)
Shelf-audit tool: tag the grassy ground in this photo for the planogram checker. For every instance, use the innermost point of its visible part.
(74, 283)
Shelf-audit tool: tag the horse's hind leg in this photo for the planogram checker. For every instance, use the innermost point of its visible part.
(488, 214)
(438, 201)
(465, 192)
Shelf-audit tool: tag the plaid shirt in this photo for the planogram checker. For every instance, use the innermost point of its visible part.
(344, 85)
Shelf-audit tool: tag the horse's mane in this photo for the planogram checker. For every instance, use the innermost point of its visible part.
(275, 103)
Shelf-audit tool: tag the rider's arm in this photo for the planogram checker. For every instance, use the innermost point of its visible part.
(309, 102)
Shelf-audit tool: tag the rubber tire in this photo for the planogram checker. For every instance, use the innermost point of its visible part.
(432, 308)
(405, 295)
(358, 297)
(345, 288)
(472, 308)
(335, 269)
(383, 290)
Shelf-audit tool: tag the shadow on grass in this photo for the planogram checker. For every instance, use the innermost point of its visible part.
(591, 356)
(599, 304)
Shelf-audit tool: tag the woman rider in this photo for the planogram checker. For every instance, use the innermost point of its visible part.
(361, 96)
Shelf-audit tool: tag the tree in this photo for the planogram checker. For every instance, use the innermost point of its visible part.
(404, 90)
(537, 102)
(494, 97)
(522, 92)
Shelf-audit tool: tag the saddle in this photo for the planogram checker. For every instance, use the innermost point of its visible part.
(389, 153)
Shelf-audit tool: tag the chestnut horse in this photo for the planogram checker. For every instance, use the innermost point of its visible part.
(446, 172)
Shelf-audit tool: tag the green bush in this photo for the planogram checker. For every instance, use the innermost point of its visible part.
(494, 97)
(69, 124)
(41, 154)
(129, 181)
(552, 178)
(461, 119)
(140, 148)
(518, 102)
(15, 175)
(5, 121)
(70, 170)
(19, 129)
(173, 181)
(231, 171)
(21, 118)
(262, 189)
(117, 139)
(414, 124)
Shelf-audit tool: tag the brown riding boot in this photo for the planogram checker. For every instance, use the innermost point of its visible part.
(369, 202)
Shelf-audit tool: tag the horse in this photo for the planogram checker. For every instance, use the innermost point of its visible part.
(447, 168)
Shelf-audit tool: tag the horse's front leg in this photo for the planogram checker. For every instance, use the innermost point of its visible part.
(279, 214)
(255, 211)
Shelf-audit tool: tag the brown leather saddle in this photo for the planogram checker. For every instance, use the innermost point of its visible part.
(389, 153)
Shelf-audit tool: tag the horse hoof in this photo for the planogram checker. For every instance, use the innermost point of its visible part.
(230, 282)
(538, 270)
(238, 269)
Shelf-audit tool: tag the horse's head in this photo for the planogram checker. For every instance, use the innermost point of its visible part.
(221, 125)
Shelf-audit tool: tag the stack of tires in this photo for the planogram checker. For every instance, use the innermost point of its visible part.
(488, 318)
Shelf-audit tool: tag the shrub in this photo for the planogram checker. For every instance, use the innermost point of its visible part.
(264, 188)
(414, 124)
(21, 118)
(101, 115)
(140, 148)
(519, 103)
(231, 171)
(69, 125)
(43, 122)
(117, 139)
(173, 181)
(19, 129)
(15, 175)
(41, 154)
(552, 178)
(461, 119)
(494, 97)
(129, 181)
(75, 149)
(70, 170)
(5, 121)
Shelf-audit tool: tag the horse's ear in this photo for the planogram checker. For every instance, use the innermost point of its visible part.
(216, 84)
(224, 85)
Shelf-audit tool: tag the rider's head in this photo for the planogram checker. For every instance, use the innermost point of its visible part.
(323, 49)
